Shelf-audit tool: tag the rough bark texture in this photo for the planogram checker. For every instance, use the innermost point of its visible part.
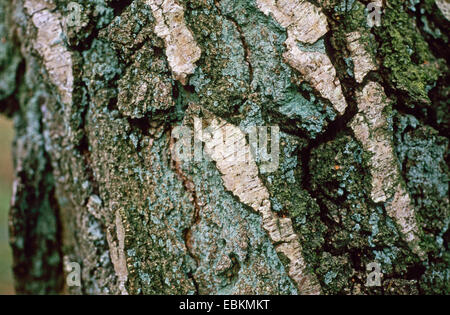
(363, 168)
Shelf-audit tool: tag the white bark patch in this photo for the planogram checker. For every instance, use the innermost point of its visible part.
(117, 252)
(240, 176)
(317, 69)
(181, 49)
(306, 23)
(48, 43)
(370, 126)
(362, 60)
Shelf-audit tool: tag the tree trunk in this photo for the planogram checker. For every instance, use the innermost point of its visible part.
(333, 171)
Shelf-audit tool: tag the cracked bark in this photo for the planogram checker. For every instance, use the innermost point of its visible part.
(363, 164)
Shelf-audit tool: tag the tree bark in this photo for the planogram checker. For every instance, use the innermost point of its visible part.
(103, 93)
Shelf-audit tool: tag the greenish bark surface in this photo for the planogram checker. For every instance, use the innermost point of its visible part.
(96, 182)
